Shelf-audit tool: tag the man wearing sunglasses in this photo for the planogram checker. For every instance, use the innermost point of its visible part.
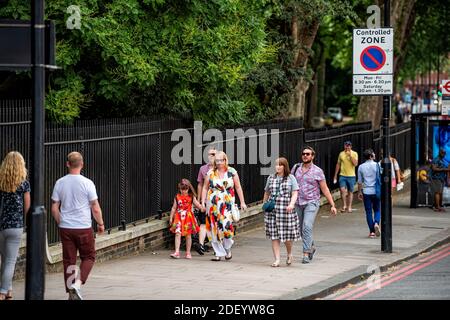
(201, 249)
(311, 180)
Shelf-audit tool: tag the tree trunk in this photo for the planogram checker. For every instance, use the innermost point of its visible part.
(303, 36)
(402, 19)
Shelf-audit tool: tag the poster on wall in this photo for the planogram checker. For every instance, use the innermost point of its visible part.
(441, 139)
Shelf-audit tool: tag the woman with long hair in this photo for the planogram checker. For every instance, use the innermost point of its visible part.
(281, 221)
(221, 185)
(14, 203)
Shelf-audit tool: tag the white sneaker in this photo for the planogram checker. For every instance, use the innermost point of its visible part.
(377, 230)
(75, 293)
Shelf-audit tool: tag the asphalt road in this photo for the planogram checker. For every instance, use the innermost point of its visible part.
(426, 277)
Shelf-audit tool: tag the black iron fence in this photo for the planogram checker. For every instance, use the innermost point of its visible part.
(131, 160)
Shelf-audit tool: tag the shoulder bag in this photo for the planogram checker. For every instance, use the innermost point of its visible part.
(235, 214)
(378, 183)
(269, 205)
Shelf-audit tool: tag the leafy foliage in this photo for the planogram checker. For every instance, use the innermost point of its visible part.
(134, 57)
(429, 44)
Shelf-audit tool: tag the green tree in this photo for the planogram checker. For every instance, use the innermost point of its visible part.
(144, 57)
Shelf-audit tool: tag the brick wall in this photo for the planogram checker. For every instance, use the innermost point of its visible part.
(159, 239)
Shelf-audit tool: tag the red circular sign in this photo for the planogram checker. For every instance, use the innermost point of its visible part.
(446, 86)
(372, 58)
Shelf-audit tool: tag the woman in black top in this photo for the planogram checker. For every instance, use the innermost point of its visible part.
(14, 202)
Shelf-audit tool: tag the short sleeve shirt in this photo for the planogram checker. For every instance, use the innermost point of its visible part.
(394, 168)
(308, 183)
(203, 172)
(12, 215)
(347, 167)
(292, 183)
(439, 175)
(75, 193)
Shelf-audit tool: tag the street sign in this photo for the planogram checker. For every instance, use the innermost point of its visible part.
(15, 45)
(446, 87)
(373, 60)
(445, 107)
(373, 51)
(372, 85)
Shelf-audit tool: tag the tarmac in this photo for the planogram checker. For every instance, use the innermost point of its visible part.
(344, 256)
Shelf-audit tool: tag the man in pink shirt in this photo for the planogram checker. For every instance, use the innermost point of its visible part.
(311, 181)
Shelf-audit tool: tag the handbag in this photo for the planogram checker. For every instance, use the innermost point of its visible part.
(235, 214)
(269, 205)
(378, 183)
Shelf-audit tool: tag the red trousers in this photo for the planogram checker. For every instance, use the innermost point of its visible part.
(73, 241)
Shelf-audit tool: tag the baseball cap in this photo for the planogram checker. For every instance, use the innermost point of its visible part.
(347, 143)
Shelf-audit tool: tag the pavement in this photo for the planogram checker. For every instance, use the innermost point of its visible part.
(344, 255)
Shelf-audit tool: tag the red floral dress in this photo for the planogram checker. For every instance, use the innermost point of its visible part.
(184, 221)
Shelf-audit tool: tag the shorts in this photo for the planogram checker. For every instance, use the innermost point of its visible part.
(437, 186)
(347, 182)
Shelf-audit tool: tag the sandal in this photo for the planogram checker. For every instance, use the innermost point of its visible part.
(342, 210)
(216, 259)
(276, 264)
(289, 260)
(175, 255)
(9, 296)
(188, 256)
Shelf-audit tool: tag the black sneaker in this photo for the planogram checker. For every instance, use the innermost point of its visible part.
(311, 254)
(199, 248)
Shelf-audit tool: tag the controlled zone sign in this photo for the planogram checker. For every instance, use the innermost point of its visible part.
(373, 57)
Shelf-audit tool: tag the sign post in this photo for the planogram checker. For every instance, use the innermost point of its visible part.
(386, 196)
(35, 265)
(373, 75)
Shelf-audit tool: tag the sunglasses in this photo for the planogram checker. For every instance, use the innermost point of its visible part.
(212, 154)
(306, 153)
(220, 160)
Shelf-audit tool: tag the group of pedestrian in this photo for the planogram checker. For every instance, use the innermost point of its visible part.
(74, 197)
(218, 185)
(291, 203)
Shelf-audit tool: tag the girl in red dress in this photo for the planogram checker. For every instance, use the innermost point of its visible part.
(182, 220)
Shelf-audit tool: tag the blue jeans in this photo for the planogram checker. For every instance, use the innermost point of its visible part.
(307, 214)
(9, 249)
(372, 203)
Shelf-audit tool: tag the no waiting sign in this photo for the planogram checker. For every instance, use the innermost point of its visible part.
(373, 51)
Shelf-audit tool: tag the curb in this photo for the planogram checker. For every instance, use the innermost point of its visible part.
(354, 276)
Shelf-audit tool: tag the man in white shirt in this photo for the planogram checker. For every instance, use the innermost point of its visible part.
(73, 199)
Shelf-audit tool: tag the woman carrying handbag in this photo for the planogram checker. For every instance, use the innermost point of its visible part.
(281, 221)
